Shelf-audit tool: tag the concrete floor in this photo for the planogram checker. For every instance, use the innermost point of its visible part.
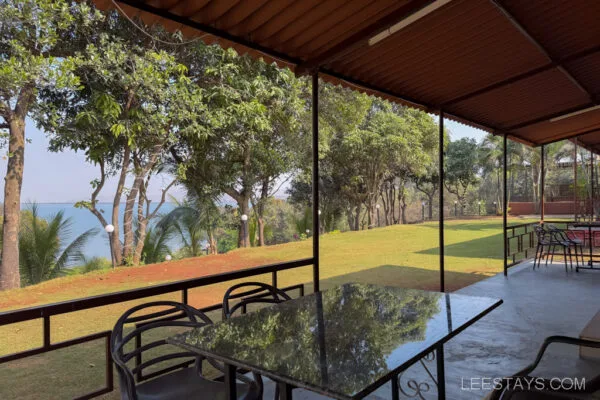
(537, 304)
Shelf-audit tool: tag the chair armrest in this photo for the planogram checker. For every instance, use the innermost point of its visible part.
(556, 339)
(498, 392)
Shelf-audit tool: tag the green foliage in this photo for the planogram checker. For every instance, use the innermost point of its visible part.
(190, 221)
(35, 54)
(462, 167)
(43, 254)
(227, 240)
(95, 264)
(156, 245)
(303, 222)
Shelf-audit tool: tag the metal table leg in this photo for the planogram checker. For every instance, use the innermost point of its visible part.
(441, 374)
(230, 382)
(591, 262)
(285, 391)
(395, 388)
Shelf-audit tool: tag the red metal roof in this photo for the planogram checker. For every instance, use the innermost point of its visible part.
(508, 66)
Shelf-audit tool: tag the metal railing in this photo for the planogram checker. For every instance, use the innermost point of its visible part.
(45, 312)
(521, 241)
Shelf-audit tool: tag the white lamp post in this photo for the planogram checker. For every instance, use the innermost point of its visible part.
(109, 230)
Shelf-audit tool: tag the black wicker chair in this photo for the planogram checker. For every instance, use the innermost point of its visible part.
(509, 390)
(182, 380)
(252, 293)
(550, 240)
(573, 243)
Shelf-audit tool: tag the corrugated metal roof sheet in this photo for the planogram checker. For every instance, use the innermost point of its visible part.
(504, 65)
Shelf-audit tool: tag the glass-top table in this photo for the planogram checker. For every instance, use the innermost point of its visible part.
(344, 342)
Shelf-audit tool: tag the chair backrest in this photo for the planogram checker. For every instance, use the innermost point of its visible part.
(540, 232)
(557, 234)
(123, 351)
(251, 293)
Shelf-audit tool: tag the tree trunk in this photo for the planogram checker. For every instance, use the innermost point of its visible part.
(430, 197)
(128, 236)
(259, 209)
(212, 242)
(114, 237)
(142, 223)
(9, 269)
(244, 231)
(140, 175)
(403, 212)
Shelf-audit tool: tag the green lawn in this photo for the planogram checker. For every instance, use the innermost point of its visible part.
(401, 255)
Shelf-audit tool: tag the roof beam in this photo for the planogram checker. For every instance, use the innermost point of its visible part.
(361, 38)
(569, 137)
(522, 76)
(519, 26)
(549, 116)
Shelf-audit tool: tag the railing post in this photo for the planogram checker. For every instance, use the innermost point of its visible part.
(592, 184)
(315, 178)
(542, 182)
(184, 296)
(441, 206)
(575, 206)
(505, 201)
(274, 279)
(46, 331)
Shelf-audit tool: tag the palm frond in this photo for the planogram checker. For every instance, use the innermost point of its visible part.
(74, 251)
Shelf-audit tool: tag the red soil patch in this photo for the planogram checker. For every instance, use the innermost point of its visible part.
(130, 277)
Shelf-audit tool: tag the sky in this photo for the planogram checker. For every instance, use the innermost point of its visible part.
(65, 177)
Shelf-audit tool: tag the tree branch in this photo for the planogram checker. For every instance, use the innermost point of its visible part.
(163, 198)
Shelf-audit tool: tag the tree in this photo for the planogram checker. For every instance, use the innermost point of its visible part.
(42, 253)
(255, 107)
(462, 167)
(194, 219)
(156, 245)
(421, 134)
(135, 103)
(38, 38)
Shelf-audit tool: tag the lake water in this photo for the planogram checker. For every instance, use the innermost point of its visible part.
(82, 220)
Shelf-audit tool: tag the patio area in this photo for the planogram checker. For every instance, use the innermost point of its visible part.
(537, 304)
(525, 72)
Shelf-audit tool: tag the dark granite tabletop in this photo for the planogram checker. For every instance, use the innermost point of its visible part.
(344, 342)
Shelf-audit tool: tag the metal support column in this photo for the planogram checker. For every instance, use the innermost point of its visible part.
(315, 178)
(575, 205)
(505, 201)
(542, 181)
(592, 185)
(441, 206)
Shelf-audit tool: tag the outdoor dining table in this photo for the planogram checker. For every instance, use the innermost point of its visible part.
(344, 342)
(588, 226)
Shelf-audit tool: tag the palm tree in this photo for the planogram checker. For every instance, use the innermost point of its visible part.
(42, 255)
(194, 219)
(156, 245)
